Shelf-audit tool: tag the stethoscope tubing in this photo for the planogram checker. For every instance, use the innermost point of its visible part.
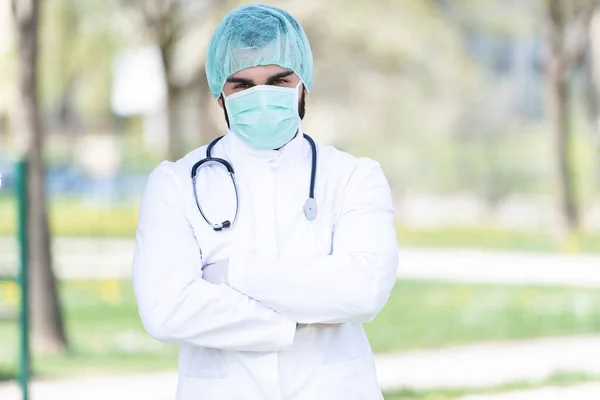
(209, 158)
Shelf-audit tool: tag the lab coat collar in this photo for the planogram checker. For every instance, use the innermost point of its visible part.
(236, 147)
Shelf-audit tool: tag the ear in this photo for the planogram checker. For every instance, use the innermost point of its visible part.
(220, 100)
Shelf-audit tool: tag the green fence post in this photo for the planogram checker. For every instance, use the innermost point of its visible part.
(22, 279)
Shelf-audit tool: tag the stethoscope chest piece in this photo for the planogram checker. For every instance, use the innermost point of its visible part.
(310, 209)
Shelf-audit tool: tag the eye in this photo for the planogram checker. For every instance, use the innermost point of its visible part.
(279, 82)
(241, 86)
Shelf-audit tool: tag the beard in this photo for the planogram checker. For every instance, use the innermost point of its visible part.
(301, 108)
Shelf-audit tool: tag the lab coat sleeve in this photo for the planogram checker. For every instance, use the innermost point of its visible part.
(175, 304)
(350, 285)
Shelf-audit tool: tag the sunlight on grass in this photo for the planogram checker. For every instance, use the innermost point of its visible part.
(106, 335)
(104, 331)
(496, 239)
(429, 314)
(76, 218)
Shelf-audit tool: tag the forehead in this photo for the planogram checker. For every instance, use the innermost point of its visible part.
(261, 72)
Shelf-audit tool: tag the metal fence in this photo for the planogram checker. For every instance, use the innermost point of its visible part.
(19, 279)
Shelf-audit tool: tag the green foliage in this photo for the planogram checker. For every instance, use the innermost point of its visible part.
(495, 16)
(393, 81)
(78, 41)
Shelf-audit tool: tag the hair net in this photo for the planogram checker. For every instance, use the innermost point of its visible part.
(257, 35)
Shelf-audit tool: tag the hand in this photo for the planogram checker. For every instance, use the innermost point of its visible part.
(317, 325)
(217, 273)
(324, 325)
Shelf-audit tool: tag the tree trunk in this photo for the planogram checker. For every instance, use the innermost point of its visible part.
(558, 92)
(593, 86)
(174, 137)
(559, 110)
(46, 320)
(207, 129)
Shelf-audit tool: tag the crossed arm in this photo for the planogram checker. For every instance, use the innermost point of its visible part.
(266, 297)
(350, 285)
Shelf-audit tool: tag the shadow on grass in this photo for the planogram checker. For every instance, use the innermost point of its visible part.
(6, 374)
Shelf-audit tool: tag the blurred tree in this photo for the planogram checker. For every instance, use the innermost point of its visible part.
(167, 23)
(48, 333)
(79, 40)
(392, 79)
(567, 33)
(592, 76)
(592, 80)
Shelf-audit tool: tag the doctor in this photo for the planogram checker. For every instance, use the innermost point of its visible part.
(265, 285)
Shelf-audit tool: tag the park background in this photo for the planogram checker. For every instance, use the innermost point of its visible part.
(483, 113)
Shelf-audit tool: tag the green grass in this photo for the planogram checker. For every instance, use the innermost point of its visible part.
(496, 239)
(74, 218)
(107, 337)
(104, 333)
(429, 314)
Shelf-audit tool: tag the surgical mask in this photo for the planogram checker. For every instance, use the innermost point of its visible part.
(265, 117)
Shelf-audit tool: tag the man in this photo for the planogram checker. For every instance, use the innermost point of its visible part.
(269, 303)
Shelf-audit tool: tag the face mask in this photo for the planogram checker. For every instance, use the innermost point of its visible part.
(265, 117)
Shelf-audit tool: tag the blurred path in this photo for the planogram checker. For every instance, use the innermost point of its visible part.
(466, 367)
(580, 392)
(112, 258)
(79, 258)
(160, 386)
(490, 364)
(519, 268)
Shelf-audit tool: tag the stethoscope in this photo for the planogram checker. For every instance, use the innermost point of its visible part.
(310, 206)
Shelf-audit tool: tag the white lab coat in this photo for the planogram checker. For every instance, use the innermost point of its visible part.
(240, 341)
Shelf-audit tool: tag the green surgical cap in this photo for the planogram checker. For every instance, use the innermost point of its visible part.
(257, 35)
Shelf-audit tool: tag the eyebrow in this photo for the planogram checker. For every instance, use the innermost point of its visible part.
(279, 76)
(235, 79)
(249, 82)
